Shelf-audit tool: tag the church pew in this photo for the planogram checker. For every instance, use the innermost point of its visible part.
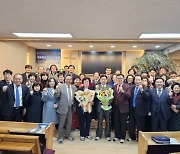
(19, 143)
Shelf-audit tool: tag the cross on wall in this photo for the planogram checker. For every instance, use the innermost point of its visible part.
(70, 58)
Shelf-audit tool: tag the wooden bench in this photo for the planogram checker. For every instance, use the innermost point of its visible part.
(4, 131)
(20, 143)
(23, 127)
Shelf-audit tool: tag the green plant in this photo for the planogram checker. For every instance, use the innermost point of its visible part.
(154, 60)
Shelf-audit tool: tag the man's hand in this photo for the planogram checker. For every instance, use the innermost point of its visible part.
(31, 92)
(4, 88)
(105, 103)
(173, 106)
(140, 88)
(45, 90)
(24, 112)
(170, 94)
(55, 106)
(121, 89)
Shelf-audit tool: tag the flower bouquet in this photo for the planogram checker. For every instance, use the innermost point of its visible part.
(85, 98)
(105, 95)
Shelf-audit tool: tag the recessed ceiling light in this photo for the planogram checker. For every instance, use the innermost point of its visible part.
(161, 35)
(48, 45)
(44, 35)
(157, 46)
(91, 46)
(113, 46)
(70, 45)
(134, 46)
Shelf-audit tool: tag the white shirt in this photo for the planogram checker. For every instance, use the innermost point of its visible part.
(20, 94)
(157, 90)
(103, 86)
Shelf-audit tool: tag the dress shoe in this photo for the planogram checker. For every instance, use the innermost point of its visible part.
(70, 138)
(60, 141)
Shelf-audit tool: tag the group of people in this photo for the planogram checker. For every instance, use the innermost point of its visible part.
(149, 100)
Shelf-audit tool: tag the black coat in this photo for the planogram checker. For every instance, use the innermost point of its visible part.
(24, 77)
(142, 101)
(35, 108)
(2, 100)
(174, 122)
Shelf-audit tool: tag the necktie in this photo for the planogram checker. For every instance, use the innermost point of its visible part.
(159, 92)
(8, 82)
(17, 97)
(135, 94)
(69, 96)
(118, 86)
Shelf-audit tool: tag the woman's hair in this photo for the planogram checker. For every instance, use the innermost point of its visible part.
(32, 74)
(86, 78)
(49, 80)
(174, 84)
(52, 66)
(37, 84)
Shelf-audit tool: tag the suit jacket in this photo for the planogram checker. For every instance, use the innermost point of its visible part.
(109, 78)
(2, 100)
(63, 98)
(164, 103)
(24, 77)
(142, 101)
(93, 83)
(121, 100)
(10, 97)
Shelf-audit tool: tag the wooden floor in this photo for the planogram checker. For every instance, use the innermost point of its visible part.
(94, 147)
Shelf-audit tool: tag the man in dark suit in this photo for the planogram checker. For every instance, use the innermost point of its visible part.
(108, 72)
(71, 70)
(122, 93)
(103, 114)
(28, 69)
(17, 97)
(160, 106)
(139, 107)
(95, 81)
(66, 70)
(7, 80)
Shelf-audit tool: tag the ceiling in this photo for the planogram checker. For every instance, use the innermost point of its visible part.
(91, 20)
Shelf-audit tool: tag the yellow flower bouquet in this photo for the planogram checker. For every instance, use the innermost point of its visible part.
(105, 95)
(85, 98)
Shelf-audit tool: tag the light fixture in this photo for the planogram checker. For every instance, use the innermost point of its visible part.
(110, 52)
(44, 35)
(157, 46)
(134, 46)
(161, 36)
(91, 46)
(113, 46)
(93, 52)
(48, 45)
(70, 46)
